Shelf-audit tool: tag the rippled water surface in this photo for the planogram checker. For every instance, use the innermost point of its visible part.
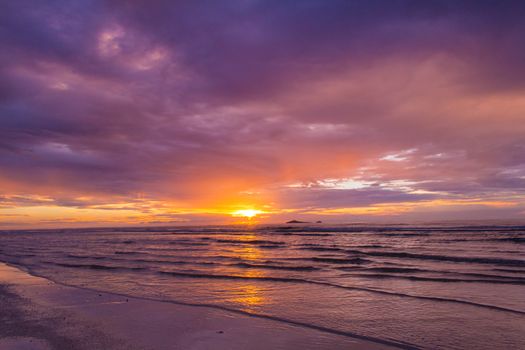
(429, 287)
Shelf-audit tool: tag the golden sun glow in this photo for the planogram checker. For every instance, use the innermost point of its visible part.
(247, 213)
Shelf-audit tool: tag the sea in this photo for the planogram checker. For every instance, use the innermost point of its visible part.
(422, 287)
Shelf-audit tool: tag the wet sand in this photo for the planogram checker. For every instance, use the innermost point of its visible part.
(36, 314)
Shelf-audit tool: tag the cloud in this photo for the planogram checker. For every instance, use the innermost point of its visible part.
(210, 104)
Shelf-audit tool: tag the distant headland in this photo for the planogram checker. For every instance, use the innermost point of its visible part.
(302, 222)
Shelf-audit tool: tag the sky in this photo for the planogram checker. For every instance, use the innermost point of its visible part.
(192, 112)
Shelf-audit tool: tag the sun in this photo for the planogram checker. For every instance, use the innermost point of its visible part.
(247, 213)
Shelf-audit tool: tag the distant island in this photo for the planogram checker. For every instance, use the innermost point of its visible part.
(302, 222)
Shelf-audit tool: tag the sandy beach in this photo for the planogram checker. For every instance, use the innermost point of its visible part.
(36, 313)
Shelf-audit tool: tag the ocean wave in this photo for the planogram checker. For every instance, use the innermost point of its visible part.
(510, 239)
(228, 277)
(277, 267)
(307, 234)
(74, 256)
(510, 271)
(375, 229)
(328, 284)
(451, 258)
(251, 241)
(95, 266)
(188, 243)
(439, 279)
(340, 260)
(19, 255)
(395, 269)
(321, 249)
(404, 270)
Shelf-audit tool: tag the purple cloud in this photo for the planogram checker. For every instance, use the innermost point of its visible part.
(195, 102)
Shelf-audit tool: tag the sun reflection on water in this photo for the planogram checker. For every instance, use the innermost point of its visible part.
(248, 294)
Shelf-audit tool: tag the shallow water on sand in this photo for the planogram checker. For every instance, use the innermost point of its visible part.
(431, 287)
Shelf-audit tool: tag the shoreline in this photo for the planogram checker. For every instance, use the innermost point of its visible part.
(41, 314)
